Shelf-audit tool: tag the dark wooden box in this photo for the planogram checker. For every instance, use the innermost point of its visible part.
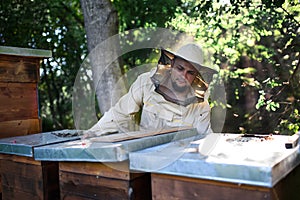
(19, 76)
(19, 107)
(171, 187)
(105, 181)
(27, 179)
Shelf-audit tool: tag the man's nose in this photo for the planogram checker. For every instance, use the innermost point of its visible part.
(182, 74)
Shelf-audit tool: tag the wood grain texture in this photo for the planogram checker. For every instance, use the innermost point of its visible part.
(29, 179)
(92, 187)
(18, 101)
(12, 194)
(85, 181)
(170, 187)
(118, 137)
(20, 159)
(19, 109)
(19, 127)
(119, 170)
(19, 115)
(19, 69)
(167, 187)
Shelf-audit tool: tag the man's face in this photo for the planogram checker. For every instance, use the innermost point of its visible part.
(182, 74)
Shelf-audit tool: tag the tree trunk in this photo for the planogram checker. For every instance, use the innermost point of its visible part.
(101, 23)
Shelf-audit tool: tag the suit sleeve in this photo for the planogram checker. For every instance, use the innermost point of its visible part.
(120, 117)
(202, 122)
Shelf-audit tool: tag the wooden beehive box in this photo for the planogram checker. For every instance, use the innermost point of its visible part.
(28, 179)
(98, 168)
(170, 187)
(25, 178)
(105, 181)
(248, 167)
(19, 76)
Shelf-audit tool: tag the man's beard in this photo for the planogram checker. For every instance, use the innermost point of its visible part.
(179, 88)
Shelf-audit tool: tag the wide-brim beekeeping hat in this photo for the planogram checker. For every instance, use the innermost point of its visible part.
(193, 54)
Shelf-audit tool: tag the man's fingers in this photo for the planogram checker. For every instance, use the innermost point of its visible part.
(88, 134)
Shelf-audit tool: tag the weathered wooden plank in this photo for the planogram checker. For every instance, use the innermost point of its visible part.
(118, 137)
(168, 187)
(82, 186)
(85, 180)
(19, 159)
(20, 169)
(118, 170)
(86, 192)
(19, 69)
(25, 184)
(11, 193)
(25, 175)
(19, 127)
(92, 180)
(18, 101)
(22, 177)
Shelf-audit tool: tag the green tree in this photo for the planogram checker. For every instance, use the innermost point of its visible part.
(256, 43)
(53, 25)
(101, 22)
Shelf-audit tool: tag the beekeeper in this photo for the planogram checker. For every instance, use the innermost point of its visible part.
(171, 95)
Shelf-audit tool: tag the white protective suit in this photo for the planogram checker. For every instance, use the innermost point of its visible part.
(157, 113)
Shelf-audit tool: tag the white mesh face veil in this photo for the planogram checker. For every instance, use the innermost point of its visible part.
(192, 54)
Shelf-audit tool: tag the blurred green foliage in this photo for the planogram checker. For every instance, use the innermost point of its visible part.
(257, 45)
(53, 25)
